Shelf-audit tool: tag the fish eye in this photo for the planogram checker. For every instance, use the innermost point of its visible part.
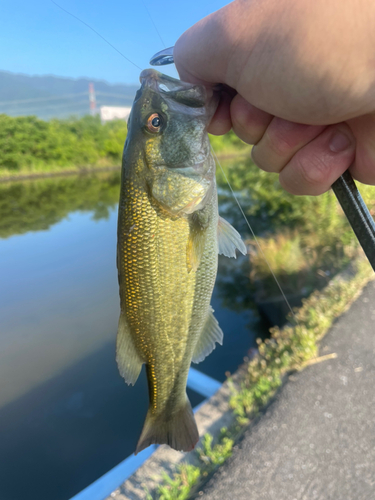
(154, 122)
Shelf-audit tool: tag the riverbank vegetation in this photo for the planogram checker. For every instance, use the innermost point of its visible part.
(288, 349)
(306, 241)
(32, 146)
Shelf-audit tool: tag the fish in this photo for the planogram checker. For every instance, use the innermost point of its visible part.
(169, 237)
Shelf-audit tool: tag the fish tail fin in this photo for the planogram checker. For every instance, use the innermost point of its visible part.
(178, 430)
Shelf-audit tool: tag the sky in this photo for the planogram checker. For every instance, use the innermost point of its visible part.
(38, 38)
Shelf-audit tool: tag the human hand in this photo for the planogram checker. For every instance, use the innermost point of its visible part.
(300, 79)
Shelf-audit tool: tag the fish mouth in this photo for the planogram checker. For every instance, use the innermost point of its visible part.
(164, 83)
(189, 94)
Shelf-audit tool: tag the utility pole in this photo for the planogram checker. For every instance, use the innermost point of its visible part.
(92, 99)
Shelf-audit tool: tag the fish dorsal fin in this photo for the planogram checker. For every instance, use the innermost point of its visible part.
(128, 360)
(229, 239)
(211, 334)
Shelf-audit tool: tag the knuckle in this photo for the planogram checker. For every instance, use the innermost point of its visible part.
(249, 134)
(280, 140)
(313, 167)
(257, 157)
(289, 185)
(265, 158)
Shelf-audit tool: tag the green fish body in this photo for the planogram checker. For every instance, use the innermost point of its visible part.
(167, 251)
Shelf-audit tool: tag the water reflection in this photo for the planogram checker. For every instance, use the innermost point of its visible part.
(66, 416)
(37, 205)
(59, 299)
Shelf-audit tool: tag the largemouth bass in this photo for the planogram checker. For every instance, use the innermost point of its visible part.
(169, 236)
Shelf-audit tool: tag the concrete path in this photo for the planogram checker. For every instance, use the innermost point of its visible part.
(316, 440)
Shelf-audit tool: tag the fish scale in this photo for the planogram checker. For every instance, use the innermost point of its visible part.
(167, 251)
(156, 301)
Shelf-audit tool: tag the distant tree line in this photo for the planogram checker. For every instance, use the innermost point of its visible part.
(28, 143)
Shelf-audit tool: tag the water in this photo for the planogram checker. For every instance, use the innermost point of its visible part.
(66, 416)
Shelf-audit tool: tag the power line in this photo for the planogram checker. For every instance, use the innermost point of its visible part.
(41, 99)
(72, 104)
(32, 101)
(120, 96)
(48, 106)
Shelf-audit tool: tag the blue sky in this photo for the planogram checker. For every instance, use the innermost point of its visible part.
(36, 37)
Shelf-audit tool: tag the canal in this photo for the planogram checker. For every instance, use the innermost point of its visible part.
(66, 415)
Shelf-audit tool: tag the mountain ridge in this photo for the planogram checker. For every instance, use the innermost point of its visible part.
(51, 96)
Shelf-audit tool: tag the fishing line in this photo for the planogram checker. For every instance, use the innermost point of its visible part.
(239, 206)
(92, 29)
(156, 29)
(255, 238)
(217, 160)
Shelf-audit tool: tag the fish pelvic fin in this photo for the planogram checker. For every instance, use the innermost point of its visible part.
(211, 334)
(229, 239)
(178, 429)
(128, 360)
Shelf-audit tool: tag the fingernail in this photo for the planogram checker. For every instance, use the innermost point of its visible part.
(339, 142)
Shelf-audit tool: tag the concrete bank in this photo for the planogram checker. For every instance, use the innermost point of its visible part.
(216, 414)
(211, 417)
(316, 440)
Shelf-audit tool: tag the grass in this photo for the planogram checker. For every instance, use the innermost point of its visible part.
(300, 261)
(291, 347)
(187, 476)
(288, 349)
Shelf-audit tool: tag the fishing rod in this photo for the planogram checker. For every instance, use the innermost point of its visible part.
(357, 213)
(344, 188)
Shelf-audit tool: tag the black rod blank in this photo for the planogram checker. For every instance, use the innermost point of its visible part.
(357, 214)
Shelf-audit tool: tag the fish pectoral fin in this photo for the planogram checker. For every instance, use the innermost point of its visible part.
(211, 334)
(194, 250)
(198, 223)
(128, 360)
(229, 239)
(178, 194)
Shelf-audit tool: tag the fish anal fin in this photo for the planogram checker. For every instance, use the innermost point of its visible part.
(178, 429)
(229, 239)
(128, 360)
(211, 334)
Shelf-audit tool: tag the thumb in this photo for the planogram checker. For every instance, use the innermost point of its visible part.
(201, 53)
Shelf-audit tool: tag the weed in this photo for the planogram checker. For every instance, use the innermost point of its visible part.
(289, 348)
